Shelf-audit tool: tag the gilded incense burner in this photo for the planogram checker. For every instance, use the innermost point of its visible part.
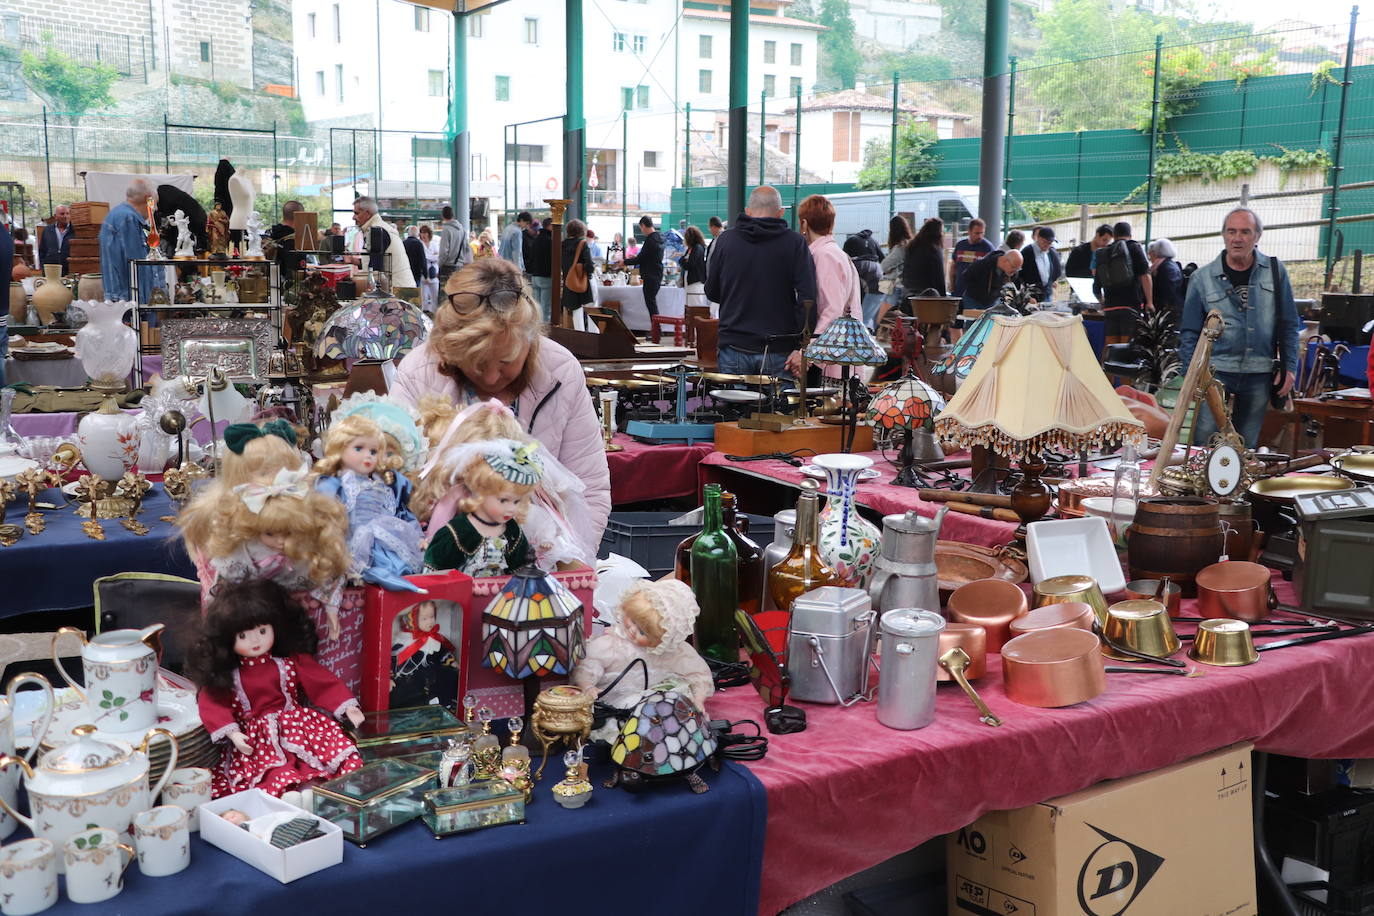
(562, 713)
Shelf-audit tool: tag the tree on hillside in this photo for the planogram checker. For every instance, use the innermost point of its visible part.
(70, 88)
(916, 162)
(839, 52)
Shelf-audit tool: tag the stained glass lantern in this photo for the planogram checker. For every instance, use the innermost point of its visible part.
(533, 627)
(666, 735)
(846, 342)
(950, 372)
(373, 327)
(909, 405)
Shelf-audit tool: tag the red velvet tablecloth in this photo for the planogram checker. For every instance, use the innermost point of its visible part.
(642, 471)
(849, 793)
(878, 494)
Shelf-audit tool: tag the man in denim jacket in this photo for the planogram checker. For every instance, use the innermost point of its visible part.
(1252, 292)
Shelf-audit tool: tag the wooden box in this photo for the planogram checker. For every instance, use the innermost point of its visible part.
(821, 437)
(85, 248)
(86, 232)
(89, 212)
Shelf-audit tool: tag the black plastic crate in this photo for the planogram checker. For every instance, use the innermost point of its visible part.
(1332, 830)
(648, 539)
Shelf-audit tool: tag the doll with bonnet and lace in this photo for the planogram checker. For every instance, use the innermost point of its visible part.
(369, 441)
(484, 538)
(653, 623)
(555, 498)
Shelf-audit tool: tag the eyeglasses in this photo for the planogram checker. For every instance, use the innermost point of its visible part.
(500, 300)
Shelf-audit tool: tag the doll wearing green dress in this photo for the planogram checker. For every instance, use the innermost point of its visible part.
(485, 537)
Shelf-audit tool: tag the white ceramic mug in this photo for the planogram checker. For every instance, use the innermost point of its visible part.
(164, 840)
(95, 861)
(28, 877)
(188, 788)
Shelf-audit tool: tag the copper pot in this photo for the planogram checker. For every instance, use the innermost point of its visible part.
(1070, 615)
(1172, 596)
(991, 603)
(973, 639)
(1052, 668)
(1237, 589)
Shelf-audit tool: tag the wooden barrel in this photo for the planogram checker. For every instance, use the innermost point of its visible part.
(1174, 537)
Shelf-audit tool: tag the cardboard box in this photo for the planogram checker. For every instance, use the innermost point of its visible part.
(286, 865)
(1178, 840)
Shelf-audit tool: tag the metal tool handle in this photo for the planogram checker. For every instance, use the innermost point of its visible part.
(986, 715)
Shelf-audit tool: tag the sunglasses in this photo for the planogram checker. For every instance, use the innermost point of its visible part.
(500, 300)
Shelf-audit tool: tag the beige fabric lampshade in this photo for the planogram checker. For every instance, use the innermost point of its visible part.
(1037, 385)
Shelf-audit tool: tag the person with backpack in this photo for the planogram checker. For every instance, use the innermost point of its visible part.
(865, 255)
(1256, 356)
(1123, 274)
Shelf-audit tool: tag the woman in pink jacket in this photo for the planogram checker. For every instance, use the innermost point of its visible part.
(488, 342)
(837, 282)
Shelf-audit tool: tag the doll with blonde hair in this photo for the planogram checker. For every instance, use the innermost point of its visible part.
(255, 452)
(556, 498)
(485, 537)
(383, 536)
(282, 531)
(653, 623)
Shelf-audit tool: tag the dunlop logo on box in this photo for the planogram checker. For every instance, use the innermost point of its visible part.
(1114, 874)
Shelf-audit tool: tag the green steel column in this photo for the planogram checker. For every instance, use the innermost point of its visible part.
(574, 122)
(763, 134)
(47, 159)
(1011, 131)
(1340, 144)
(737, 154)
(460, 163)
(796, 162)
(1154, 142)
(892, 156)
(994, 117)
(687, 166)
(624, 179)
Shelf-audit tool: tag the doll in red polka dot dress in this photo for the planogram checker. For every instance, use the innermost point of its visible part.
(259, 686)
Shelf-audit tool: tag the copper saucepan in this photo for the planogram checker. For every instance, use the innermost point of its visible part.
(1051, 668)
(992, 604)
(1070, 615)
(973, 639)
(1237, 589)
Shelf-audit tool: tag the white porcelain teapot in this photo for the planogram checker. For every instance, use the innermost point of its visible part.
(121, 677)
(9, 782)
(91, 781)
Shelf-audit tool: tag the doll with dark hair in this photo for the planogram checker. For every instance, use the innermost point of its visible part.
(259, 685)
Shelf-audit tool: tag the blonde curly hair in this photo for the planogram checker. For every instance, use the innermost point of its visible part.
(215, 525)
(436, 415)
(483, 480)
(340, 434)
(494, 308)
(260, 461)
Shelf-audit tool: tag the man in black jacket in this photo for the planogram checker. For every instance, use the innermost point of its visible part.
(1041, 268)
(55, 240)
(539, 265)
(1080, 262)
(861, 247)
(983, 281)
(650, 263)
(761, 273)
(415, 254)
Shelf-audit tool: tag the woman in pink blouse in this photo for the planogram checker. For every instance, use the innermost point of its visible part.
(837, 282)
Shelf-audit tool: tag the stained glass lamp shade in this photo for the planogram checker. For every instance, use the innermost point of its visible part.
(846, 342)
(951, 371)
(533, 627)
(909, 405)
(374, 327)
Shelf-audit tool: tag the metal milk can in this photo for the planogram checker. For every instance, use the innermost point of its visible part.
(904, 574)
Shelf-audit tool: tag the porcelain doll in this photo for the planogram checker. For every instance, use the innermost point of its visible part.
(404, 448)
(253, 661)
(255, 452)
(383, 538)
(283, 532)
(556, 498)
(653, 623)
(485, 538)
(424, 667)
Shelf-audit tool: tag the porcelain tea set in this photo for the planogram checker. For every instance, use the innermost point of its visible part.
(99, 778)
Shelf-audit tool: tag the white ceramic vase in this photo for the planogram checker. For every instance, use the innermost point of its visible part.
(108, 440)
(848, 541)
(106, 346)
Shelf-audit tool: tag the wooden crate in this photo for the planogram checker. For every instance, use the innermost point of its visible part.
(84, 248)
(89, 212)
(83, 265)
(822, 437)
(86, 231)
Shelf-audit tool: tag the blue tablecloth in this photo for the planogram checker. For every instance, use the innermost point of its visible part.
(55, 570)
(664, 851)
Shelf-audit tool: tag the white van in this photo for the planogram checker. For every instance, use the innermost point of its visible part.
(955, 205)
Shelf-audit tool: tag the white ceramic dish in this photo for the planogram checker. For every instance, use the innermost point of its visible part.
(1074, 547)
(810, 470)
(12, 466)
(176, 711)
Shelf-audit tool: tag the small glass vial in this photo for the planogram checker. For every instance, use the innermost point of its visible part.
(575, 790)
(486, 750)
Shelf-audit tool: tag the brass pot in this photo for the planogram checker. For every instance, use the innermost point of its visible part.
(1052, 668)
(1059, 589)
(1228, 643)
(1140, 625)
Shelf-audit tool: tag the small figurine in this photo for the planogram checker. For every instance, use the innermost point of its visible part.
(556, 498)
(259, 683)
(254, 235)
(653, 623)
(575, 789)
(186, 242)
(283, 829)
(383, 538)
(217, 226)
(485, 538)
(424, 667)
(283, 531)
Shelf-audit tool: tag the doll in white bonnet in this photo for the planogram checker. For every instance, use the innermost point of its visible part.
(653, 623)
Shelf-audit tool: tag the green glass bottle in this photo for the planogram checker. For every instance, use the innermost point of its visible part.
(750, 555)
(715, 582)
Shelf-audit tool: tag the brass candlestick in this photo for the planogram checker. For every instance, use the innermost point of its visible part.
(133, 487)
(91, 490)
(608, 400)
(9, 534)
(32, 481)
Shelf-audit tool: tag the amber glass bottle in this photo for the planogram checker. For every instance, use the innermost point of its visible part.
(802, 569)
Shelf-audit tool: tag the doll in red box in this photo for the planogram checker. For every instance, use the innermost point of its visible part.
(253, 662)
(424, 665)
